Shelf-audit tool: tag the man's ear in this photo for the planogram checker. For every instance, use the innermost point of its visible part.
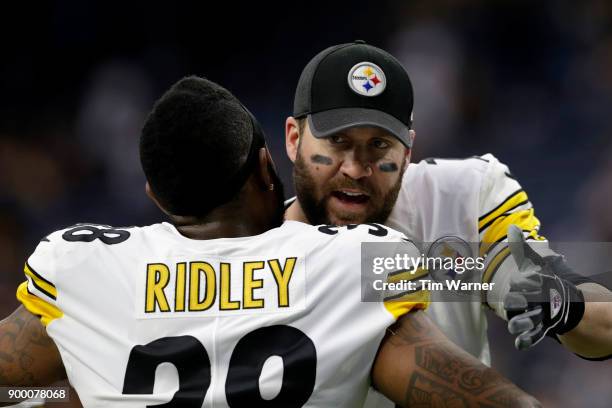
(266, 167)
(292, 137)
(153, 198)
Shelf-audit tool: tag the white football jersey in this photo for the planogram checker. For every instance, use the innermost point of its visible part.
(146, 316)
(475, 200)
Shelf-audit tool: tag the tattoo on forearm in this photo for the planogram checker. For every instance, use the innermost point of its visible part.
(476, 381)
(424, 392)
(507, 397)
(320, 159)
(446, 381)
(23, 343)
(427, 392)
(443, 364)
(446, 376)
(438, 362)
(6, 357)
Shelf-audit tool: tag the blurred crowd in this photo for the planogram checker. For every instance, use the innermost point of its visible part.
(530, 82)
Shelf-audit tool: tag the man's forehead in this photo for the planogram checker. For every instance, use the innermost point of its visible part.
(362, 132)
(365, 131)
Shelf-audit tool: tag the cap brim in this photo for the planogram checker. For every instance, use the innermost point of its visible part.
(326, 123)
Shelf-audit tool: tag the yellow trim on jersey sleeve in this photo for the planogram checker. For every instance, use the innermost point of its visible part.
(511, 202)
(395, 277)
(40, 283)
(498, 230)
(494, 264)
(407, 303)
(38, 306)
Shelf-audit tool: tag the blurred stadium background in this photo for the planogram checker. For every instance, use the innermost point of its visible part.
(528, 81)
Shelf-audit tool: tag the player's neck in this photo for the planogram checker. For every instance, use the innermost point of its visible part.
(295, 212)
(221, 223)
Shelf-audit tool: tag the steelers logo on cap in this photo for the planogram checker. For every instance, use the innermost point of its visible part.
(367, 79)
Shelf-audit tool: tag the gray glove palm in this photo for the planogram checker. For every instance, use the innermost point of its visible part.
(539, 301)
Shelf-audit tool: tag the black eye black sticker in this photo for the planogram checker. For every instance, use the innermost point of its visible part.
(388, 167)
(319, 159)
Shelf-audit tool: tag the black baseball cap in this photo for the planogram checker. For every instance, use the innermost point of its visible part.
(355, 84)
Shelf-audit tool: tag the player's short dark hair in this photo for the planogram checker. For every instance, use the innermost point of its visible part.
(193, 143)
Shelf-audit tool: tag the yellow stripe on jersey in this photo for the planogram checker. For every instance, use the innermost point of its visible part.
(37, 306)
(498, 230)
(517, 198)
(494, 264)
(398, 276)
(40, 283)
(407, 303)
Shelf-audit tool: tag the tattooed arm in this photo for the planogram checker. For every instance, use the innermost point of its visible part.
(418, 366)
(28, 357)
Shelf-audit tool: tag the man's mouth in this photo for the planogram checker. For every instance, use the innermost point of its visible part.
(347, 196)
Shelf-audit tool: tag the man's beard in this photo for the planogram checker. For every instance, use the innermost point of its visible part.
(315, 208)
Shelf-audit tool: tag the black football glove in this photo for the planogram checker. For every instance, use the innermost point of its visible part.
(539, 301)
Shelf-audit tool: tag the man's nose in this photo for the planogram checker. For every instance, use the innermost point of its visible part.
(356, 167)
